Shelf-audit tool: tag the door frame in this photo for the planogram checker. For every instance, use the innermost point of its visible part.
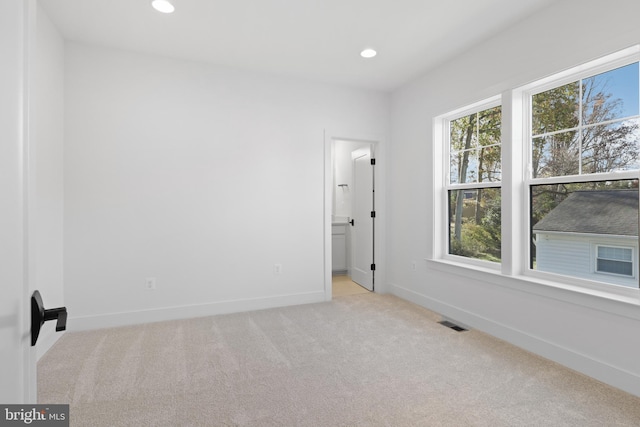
(378, 142)
(18, 37)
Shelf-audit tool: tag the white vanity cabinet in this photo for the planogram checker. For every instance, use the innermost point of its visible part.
(339, 248)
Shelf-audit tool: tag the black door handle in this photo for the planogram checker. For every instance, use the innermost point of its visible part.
(39, 315)
(352, 222)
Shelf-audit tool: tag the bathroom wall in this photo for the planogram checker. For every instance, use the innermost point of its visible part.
(343, 174)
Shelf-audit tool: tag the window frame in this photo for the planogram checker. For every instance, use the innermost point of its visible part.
(597, 246)
(513, 271)
(445, 121)
(602, 65)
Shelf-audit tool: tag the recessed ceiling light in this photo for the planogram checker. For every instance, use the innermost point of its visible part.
(368, 53)
(163, 6)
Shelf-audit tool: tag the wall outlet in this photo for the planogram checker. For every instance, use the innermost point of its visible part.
(150, 283)
(277, 268)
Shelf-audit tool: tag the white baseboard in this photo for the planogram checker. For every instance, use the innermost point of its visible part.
(599, 370)
(110, 320)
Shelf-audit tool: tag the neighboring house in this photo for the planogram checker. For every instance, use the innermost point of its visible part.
(593, 235)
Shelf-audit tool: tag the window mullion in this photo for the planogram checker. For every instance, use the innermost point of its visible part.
(513, 172)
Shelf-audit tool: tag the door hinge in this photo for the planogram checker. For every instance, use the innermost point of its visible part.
(373, 267)
(373, 214)
(373, 162)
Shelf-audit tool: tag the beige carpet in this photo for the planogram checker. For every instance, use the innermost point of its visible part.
(362, 360)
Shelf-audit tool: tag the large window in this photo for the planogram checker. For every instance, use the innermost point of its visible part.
(475, 172)
(556, 197)
(583, 134)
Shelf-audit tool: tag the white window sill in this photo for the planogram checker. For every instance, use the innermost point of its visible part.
(619, 301)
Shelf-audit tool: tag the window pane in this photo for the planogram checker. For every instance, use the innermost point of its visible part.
(474, 147)
(556, 155)
(615, 267)
(604, 139)
(475, 223)
(556, 109)
(489, 164)
(606, 148)
(611, 95)
(464, 167)
(489, 126)
(567, 220)
(620, 254)
(463, 133)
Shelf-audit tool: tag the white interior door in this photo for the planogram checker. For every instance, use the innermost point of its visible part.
(17, 358)
(362, 231)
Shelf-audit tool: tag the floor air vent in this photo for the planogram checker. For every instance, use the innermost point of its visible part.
(452, 326)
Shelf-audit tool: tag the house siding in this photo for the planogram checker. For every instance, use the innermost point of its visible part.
(573, 255)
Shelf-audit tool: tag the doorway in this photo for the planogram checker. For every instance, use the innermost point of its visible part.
(349, 216)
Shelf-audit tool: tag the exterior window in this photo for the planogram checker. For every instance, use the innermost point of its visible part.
(561, 186)
(475, 172)
(614, 260)
(585, 137)
(587, 126)
(570, 218)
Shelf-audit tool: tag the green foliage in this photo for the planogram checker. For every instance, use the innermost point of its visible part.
(479, 232)
(477, 243)
(475, 146)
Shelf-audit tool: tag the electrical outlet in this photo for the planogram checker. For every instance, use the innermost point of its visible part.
(150, 283)
(277, 268)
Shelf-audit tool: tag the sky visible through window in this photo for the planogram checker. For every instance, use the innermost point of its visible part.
(623, 83)
(586, 127)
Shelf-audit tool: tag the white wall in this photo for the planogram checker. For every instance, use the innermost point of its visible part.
(203, 177)
(46, 172)
(586, 333)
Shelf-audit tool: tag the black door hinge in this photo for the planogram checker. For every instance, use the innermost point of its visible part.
(373, 162)
(373, 214)
(373, 267)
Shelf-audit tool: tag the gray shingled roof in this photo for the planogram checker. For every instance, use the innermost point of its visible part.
(594, 212)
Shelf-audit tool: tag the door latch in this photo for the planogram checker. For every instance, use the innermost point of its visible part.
(39, 315)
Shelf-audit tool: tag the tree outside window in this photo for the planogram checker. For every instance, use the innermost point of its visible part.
(586, 128)
(475, 172)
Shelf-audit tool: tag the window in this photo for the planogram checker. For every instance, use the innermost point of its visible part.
(556, 197)
(584, 135)
(614, 260)
(475, 172)
(569, 219)
(587, 126)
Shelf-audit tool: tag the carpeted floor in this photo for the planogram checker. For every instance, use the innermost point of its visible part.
(361, 360)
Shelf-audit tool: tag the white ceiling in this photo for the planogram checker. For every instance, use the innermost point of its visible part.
(311, 39)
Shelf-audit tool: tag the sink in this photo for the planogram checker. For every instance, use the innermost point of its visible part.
(339, 220)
